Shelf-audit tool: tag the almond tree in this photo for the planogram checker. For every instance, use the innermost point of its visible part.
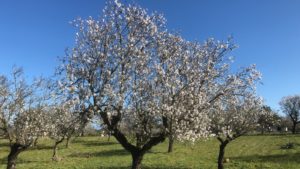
(21, 112)
(194, 77)
(290, 105)
(63, 123)
(64, 119)
(234, 117)
(111, 71)
(237, 112)
(128, 69)
(268, 119)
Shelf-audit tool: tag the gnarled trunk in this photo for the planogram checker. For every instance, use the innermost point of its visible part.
(137, 158)
(54, 151)
(137, 151)
(54, 156)
(35, 142)
(262, 130)
(68, 141)
(82, 134)
(294, 128)
(171, 142)
(15, 150)
(108, 139)
(221, 154)
(169, 124)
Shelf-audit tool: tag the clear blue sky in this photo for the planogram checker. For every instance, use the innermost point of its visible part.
(34, 32)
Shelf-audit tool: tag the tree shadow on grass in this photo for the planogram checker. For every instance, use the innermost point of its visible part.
(119, 152)
(98, 143)
(3, 160)
(21, 161)
(3, 144)
(164, 167)
(279, 158)
(94, 142)
(43, 147)
(157, 152)
(146, 167)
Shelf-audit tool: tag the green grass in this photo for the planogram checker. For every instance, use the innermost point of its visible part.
(247, 152)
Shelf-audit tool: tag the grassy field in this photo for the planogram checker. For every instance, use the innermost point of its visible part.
(247, 152)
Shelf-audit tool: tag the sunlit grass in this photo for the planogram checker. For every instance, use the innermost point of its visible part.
(248, 152)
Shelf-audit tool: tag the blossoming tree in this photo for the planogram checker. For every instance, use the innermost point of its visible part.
(128, 69)
(195, 77)
(21, 112)
(234, 117)
(63, 123)
(268, 119)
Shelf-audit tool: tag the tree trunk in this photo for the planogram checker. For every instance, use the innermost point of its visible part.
(221, 155)
(35, 142)
(82, 133)
(108, 137)
(171, 142)
(171, 137)
(15, 150)
(54, 156)
(262, 130)
(68, 141)
(294, 128)
(54, 150)
(136, 152)
(137, 158)
(10, 142)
